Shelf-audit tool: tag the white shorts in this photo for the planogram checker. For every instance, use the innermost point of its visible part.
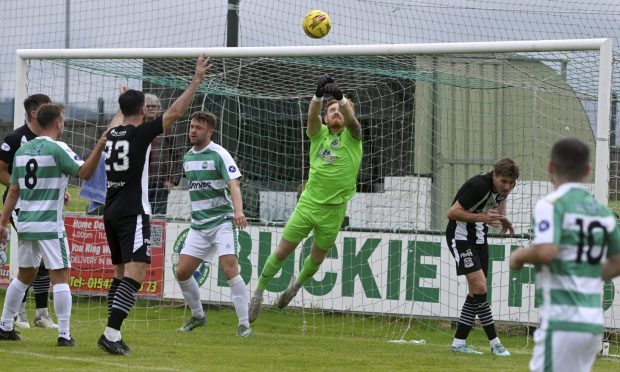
(566, 351)
(55, 253)
(210, 244)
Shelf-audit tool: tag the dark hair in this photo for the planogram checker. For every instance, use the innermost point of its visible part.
(131, 102)
(48, 113)
(33, 102)
(570, 156)
(205, 117)
(506, 168)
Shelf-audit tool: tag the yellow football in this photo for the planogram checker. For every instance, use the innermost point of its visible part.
(316, 24)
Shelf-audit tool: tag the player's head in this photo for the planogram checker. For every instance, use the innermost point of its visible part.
(131, 103)
(32, 104)
(51, 119)
(201, 127)
(152, 106)
(333, 117)
(505, 175)
(570, 160)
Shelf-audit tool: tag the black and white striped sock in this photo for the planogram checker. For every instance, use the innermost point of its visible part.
(124, 299)
(111, 293)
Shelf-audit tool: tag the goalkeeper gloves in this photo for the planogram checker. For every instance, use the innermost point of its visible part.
(332, 88)
(323, 80)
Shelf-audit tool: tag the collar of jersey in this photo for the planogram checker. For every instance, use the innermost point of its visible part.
(571, 185)
(203, 149)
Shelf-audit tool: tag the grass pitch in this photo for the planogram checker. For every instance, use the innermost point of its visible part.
(281, 341)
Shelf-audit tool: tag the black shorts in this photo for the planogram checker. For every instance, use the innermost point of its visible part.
(129, 239)
(469, 256)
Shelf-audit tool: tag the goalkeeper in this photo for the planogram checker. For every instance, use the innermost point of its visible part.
(335, 156)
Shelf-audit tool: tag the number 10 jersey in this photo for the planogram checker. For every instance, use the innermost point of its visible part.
(126, 164)
(569, 288)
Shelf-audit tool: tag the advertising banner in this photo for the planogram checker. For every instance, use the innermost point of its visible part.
(381, 273)
(91, 265)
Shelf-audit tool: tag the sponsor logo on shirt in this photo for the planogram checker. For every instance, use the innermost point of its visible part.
(327, 156)
(199, 185)
(77, 157)
(5, 147)
(114, 184)
(232, 169)
(115, 133)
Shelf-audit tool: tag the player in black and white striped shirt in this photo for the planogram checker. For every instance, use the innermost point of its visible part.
(480, 202)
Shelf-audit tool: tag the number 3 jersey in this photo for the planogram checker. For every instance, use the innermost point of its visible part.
(41, 169)
(126, 166)
(569, 288)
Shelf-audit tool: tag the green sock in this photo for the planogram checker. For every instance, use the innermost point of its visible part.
(309, 269)
(272, 266)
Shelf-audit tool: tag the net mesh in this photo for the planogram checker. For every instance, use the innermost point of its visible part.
(429, 123)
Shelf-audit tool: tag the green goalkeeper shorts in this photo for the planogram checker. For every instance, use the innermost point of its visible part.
(325, 220)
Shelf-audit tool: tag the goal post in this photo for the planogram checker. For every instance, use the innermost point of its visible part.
(432, 115)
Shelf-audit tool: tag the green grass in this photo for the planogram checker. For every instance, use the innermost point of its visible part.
(354, 343)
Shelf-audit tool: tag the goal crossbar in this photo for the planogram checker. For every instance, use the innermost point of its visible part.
(603, 45)
(328, 50)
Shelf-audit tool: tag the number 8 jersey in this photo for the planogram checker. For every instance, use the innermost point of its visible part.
(569, 288)
(42, 168)
(126, 166)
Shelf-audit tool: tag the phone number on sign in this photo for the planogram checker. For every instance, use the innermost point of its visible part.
(105, 283)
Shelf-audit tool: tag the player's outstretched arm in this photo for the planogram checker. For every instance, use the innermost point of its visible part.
(237, 201)
(118, 117)
(316, 105)
(350, 121)
(9, 206)
(180, 105)
(87, 169)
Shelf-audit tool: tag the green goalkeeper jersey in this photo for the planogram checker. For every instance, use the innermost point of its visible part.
(334, 164)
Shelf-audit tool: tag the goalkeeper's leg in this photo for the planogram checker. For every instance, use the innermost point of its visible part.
(327, 221)
(271, 268)
(310, 267)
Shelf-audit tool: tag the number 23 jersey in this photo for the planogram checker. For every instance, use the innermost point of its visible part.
(126, 166)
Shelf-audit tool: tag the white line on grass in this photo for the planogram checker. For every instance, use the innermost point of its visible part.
(89, 360)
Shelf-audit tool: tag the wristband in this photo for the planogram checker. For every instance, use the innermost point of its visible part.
(343, 101)
(317, 99)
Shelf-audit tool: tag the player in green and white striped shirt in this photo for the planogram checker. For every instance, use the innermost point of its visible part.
(41, 171)
(573, 237)
(217, 212)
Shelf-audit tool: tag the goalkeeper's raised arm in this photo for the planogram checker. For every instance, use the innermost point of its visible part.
(336, 117)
